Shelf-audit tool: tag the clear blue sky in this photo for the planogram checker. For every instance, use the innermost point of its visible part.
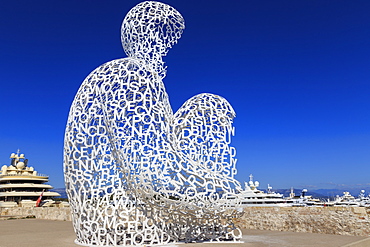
(296, 72)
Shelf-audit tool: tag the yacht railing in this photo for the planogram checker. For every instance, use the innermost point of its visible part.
(37, 175)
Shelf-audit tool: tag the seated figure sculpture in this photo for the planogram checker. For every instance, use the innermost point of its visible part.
(135, 172)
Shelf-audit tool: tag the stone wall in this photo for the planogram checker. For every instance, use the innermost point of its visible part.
(354, 221)
(46, 213)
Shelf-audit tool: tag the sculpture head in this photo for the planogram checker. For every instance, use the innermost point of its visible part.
(150, 29)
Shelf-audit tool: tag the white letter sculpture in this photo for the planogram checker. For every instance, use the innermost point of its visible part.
(135, 172)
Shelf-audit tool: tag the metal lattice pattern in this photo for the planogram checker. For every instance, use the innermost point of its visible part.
(135, 172)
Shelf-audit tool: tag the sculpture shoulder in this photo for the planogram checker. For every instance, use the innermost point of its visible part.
(117, 67)
(121, 70)
(206, 105)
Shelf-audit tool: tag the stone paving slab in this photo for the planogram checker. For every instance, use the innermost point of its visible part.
(36, 233)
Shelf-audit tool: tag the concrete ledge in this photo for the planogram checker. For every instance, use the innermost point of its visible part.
(36, 233)
(360, 243)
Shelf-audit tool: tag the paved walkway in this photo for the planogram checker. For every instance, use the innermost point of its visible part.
(36, 233)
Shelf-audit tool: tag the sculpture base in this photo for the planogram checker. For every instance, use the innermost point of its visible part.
(172, 244)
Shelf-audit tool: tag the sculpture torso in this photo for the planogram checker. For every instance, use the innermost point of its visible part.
(126, 153)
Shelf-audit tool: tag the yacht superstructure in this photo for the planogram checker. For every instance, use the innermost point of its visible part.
(348, 200)
(251, 196)
(21, 185)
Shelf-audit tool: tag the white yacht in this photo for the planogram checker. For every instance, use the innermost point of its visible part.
(304, 200)
(251, 196)
(348, 200)
(21, 185)
(363, 199)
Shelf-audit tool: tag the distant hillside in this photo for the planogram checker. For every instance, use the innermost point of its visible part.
(325, 193)
(298, 192)
(334, 192)
(61, 191)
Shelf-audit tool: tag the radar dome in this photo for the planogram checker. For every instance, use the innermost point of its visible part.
(20, 165)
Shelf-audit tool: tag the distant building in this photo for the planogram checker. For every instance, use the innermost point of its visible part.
(21, 185)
